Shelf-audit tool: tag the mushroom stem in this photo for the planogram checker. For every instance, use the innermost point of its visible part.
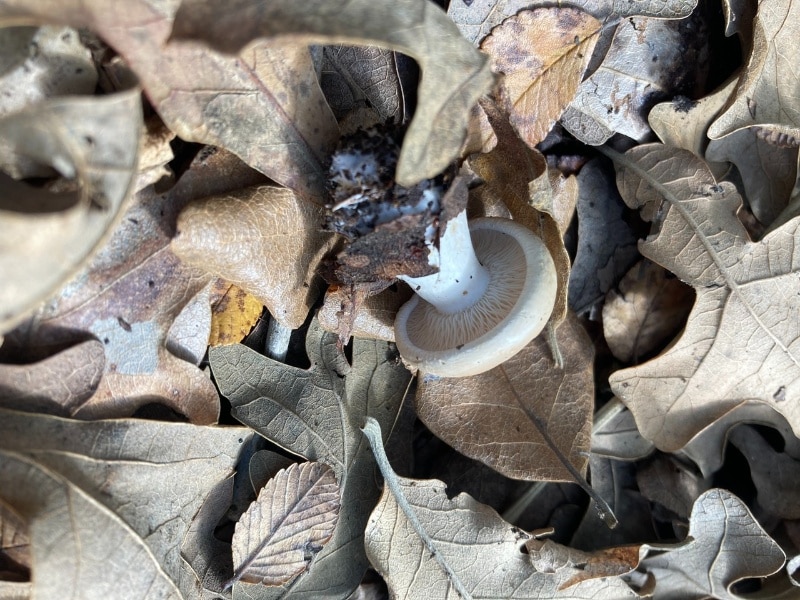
(461, 280)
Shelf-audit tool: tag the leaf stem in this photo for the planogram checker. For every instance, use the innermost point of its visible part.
(372, 430)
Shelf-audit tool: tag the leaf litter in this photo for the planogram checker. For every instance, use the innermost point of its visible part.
(172, 250)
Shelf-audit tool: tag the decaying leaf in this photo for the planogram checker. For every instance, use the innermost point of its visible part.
(550, 557)
(317, 414)
(485, 552)
(649, 60)
(454, 73)
(116, 496)
(542, 54)
(47, 236)
(525, 418)
(476, 18)
(282, 531)
(264, 105)
(234, 313)
(267, 240)
(766, 96)
(738, 346)
(606, 244)
(646, 312)
(372, 319)
(725, 544)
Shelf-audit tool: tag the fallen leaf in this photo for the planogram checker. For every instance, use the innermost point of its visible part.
(264, 465)
(356, 76)
(774, 473)
(15, 545)
(267, 240)
(477, 18)
(58, 385)
(525, 418)
(292, 519)
(614, 434)
(606, 244)
(234, 313)
(649, 60)
(264, 105)
(550, 557)
(725, 545)
(507, 172)
(48, 236)
(106, 490)
(542, 54)
(671, 483)
(646, 312)
(483, 551)
(317, 414)
(768, 82)
(372, 319)
(455, 75)
(736, 347)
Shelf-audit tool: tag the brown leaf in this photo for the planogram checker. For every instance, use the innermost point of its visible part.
(58, 385)
(234, 313)
(454, 74)
(15, 545)
(549, 557)
(292, 519)
(542, 54)
(477, 18)
(266, 240)
(646, 313)
(372, 319)
(482, 550)
(264, 105)
(507, 172)
(649, 60)
(671, 483)
(47, 236)
(737, 348)
(769, 80)
(525, 418)
(117, 497)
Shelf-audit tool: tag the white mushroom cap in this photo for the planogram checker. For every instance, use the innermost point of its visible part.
(514, 308)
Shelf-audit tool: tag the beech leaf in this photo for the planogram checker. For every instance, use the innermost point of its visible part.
(316, 413)
(737, 347)
(525, 418)
(542, 54)
(106, 491)
(293, 517)
(455, 75)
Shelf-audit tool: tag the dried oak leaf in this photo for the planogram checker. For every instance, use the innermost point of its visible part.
(267, 240)
(117, 496)
(649, 60)
(317, 413)
(725, 545)
(455, 75)
(90, 141)
(477, 18)
(129, 298)
(740, 346)
(606, 244)
(264, 105)
(288, 524)
(15, 546)
(371, 319)
(766, 96)
(484, 552)
(525, 418)
(646, 312)
(542, 54)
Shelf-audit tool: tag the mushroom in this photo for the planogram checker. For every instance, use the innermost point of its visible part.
(493, 293)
